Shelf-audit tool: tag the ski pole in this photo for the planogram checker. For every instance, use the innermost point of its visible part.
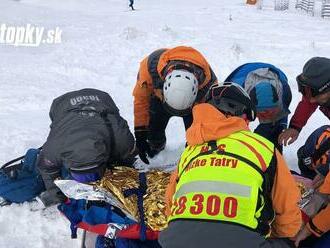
(83, 240)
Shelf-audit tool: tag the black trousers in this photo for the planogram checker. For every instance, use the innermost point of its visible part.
(271, 132)
(131, 2)
(159, 118)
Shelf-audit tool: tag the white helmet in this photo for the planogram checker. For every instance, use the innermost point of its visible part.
(180, 91)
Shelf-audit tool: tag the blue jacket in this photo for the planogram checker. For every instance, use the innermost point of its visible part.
(261, 89)
(313, 142)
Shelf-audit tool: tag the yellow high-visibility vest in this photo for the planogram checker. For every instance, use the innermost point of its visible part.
(223, 180)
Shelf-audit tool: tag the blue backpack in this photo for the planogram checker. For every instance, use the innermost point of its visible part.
(95, 218)
(21, 182)
(239, 74)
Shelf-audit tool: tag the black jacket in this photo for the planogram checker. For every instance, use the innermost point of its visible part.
(86, 129)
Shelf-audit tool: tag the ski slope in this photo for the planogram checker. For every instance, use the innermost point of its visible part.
(102, 45)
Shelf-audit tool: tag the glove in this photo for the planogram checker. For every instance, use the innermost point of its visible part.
(141, 137)
(52, 197)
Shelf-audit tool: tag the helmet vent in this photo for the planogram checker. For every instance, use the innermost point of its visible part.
(180, 90)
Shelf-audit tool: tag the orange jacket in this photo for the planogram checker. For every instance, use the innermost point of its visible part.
(144, 86)
(210, 124)
(322, 220)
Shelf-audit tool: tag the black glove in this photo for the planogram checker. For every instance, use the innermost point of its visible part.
(141, 137)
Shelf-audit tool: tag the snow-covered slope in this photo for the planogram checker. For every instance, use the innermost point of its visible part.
(102, 44)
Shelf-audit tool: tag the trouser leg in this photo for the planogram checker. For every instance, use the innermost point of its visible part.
(131, 2)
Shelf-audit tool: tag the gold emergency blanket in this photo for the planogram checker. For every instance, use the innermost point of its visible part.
(122, 178)
(302, 187)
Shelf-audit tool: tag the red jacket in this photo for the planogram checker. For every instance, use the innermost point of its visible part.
(303, 111)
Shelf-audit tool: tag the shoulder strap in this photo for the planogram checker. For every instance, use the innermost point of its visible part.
(153, 60)
(267, 214)
(213, 149)
(104, 116)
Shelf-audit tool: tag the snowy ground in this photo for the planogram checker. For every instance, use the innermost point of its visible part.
(102, 44)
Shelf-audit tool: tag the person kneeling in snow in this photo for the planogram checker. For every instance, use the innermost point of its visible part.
(169, 82)
(314, 161)
(232, 188)
(87, 136)
(268, 88)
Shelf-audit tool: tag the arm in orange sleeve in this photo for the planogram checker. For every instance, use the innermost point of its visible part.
(285, 196)
(142, 92)
(170, 191)
(325, 187)
(321, 221)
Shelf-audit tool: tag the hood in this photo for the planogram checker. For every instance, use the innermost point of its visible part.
(265, 96)
(210, 124)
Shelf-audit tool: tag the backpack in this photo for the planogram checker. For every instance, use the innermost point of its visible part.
(113, 227)
(21, 182)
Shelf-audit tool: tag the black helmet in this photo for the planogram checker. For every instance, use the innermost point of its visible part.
(315, 78)
(231, 98)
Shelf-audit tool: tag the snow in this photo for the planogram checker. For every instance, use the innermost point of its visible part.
(102, 45)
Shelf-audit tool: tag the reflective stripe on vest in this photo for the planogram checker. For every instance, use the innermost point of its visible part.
(212, 186)
(223, 183)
